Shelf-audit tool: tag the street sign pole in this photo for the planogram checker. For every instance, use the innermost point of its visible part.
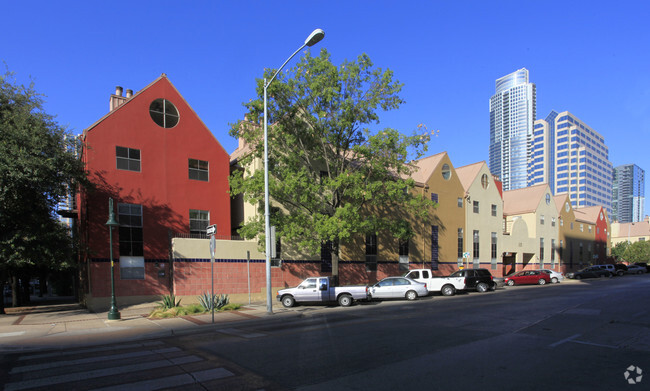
(212, 230)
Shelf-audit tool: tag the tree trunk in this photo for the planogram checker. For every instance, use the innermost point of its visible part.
(335, 263)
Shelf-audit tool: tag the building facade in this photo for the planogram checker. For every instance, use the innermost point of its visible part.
(628, 195)
(512, 113)
(167, 175)
(574, 158)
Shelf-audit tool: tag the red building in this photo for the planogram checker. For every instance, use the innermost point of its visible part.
(167, 175)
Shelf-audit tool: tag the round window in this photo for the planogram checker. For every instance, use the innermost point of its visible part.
(484, 181)
(548, 199)
(566, 207)
(446, 171)
(163, 113)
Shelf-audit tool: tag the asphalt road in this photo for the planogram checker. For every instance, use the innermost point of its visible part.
(573, 336)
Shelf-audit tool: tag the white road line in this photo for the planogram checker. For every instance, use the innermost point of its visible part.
(596, 344)
(87, 360)
(63, 353)
(72, 377)
(560, 342)
(14, 334)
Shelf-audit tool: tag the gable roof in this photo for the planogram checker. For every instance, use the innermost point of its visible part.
(559, 201)
(467, 174)
(424, 167)
(524, 200)
(588, 214)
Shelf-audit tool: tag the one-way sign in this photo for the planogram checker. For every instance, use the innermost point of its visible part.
(211, 230)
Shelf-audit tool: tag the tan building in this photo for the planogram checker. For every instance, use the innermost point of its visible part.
(630, 232)
(530, 219)
(483, 218)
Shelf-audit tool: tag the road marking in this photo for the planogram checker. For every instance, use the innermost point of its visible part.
(596, 344)
(564, 340)
(16, 333)
(241, 333)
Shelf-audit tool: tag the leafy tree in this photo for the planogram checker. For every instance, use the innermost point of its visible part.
(38, 166)
(637, 252)
(619, 249)
(331, 177)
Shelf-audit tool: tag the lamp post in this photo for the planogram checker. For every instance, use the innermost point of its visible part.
(113, 313)
(313, 38)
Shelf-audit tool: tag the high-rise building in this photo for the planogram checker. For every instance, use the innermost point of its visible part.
(573, 159)
(628, 195)
(512, 113)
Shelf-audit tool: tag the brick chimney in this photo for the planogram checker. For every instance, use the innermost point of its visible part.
(117, 99)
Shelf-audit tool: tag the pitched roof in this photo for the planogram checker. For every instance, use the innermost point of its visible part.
(524, 200)
(467, 174)
(588, 214)
(424, 167)
(559, 201)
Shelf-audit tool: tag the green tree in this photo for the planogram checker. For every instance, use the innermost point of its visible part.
(331, 177)
(38, 166)
(637, 252)
(619, 249)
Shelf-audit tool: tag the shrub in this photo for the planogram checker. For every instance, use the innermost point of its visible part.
(169, 301)
(218, 301)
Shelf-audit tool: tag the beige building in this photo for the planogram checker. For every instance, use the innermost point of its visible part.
(530, 219)
(483, 218)
(630, 232)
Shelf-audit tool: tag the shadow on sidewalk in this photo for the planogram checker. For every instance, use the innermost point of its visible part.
(40, 305)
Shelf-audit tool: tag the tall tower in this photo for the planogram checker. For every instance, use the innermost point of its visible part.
(512, 113)
(628, 196)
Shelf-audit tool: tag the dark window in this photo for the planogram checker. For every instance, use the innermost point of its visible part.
(460, 202)
(476, 245)
(163, 113)
(371, 252)
(541, 249)
(130, 219)
(460, 243)
(434, 247)
(199, 221)
(475, 206)
(199, 169)
(494, 246)
(127, 158)
(434, 197)
(494, 210)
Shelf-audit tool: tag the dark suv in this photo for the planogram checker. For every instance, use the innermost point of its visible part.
(476, 279)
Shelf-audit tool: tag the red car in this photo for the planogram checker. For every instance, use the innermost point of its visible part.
(528, 277)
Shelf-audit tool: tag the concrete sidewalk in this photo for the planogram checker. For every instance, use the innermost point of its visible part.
(51, 326)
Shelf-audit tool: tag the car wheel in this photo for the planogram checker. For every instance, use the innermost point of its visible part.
(482, 287)
(511, 282)
(554, 280)
(620, 273)
(578, 277)
(345, 300)
(639, 272)
(610, 275)
(448, 290)
(541, 281)
(411, 295)
(288, 301)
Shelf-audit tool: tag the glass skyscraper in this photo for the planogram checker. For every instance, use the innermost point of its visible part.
(512, 113)
(573, 159)
(628, 196)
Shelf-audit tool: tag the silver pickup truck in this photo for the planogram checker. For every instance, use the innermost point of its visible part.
(320, 289)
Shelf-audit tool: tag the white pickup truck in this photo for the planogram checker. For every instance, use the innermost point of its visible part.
(320, 289)
(445, 285)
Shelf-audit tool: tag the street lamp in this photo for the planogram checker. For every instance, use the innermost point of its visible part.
(113, 313)
(313, 38)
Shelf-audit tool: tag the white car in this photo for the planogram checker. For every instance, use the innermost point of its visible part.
(556, 277)
(398, 288)
(635, 269)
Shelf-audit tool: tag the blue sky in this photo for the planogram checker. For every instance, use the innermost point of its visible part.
(589, 57)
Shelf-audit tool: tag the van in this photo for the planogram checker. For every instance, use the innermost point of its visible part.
(609, 267)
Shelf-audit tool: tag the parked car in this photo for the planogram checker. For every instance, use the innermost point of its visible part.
(590, 272)
(476, 279)
(528, 277)
(647, 266)
(397, 288)
(620, 269)
(445, 285)
(609, 267)
(319, 290)
(636, 269)
(556, 277)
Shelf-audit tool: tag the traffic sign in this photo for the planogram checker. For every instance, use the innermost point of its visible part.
(213, 246)
(466, 254)
(211, 230)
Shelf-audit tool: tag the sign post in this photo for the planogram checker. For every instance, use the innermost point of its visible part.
(211, 231)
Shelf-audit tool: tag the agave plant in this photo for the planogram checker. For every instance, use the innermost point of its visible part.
(209, 301)
(169, 302)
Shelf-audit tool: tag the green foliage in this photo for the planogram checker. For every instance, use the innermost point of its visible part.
(637, 252)
(218, 301)
(169, 301)
(38, 166)
(619, 249)
(333, 176)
